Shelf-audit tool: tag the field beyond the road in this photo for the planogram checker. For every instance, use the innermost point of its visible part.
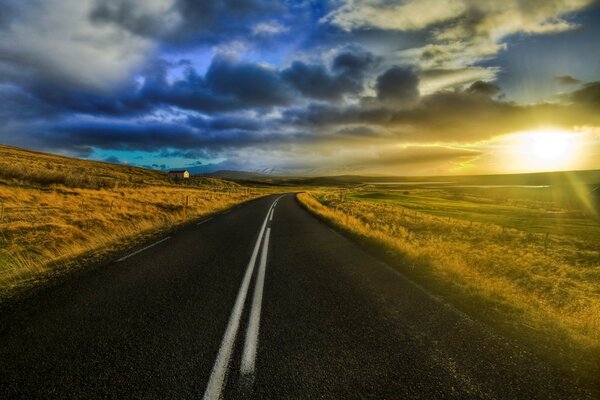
(56, 211)
(524, 260)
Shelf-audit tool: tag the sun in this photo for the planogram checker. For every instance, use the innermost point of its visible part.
(548, 146)
(546, 149)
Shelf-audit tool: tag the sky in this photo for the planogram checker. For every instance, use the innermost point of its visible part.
(294, 87)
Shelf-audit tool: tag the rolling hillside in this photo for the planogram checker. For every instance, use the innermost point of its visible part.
(57, 213)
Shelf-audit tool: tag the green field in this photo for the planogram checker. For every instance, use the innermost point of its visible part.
(523, 259)
(560, 212)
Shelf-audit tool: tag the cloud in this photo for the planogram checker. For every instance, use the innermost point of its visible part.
(437, 79)
(482, 88)
(369, 159)
(251, 84)
(181, 22)
(347, 74)
(315, 81)
(261, 84)
(566, 80)
(18, 104)
(398, 86)
(458, 116)
(268, 28)
(463, 30)
(353, 63)
(411, 155)
(161, 167)
(100, 45)
(170, 139)
(54, 41)
(410, 15)
(142, 18)
(112, 160)
(589, 95)
(227, 85)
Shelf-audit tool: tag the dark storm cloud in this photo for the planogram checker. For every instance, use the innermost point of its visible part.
(483, 88)
(124, 102)
(228, 85)
(353, 64)
(359, 131)
(398, 86)
(9, 11)
(181, 140)
(250, 84)
(184, 153)
(452, 116)
(186, 21)
(129, 16)
(233, 122)
(589, 94)
(315, 81)
(155, 166)
(18, 104)
(327, 115)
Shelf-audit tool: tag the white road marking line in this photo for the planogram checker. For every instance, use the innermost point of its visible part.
(219, 371)
(140, 250)
(204, 220)
(271, 213)
(251, 342)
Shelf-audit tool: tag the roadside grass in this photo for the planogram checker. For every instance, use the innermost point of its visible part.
(49, 221)
(490, 257)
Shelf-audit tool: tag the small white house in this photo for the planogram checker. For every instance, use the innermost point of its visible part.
(179, 174)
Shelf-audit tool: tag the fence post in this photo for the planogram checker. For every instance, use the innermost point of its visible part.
(185, 208)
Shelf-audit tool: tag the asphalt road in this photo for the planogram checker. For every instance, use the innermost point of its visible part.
(251, 304)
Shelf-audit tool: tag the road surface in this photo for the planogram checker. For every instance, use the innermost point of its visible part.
(263, 301)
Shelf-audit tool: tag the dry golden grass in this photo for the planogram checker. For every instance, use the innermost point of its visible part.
(47, 222)
(20, 167)
(547, 294)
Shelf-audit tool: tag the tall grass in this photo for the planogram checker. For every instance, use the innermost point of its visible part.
(42, 230)
(55, 210)
(544, 290)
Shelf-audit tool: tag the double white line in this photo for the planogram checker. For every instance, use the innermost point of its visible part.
(221, 366)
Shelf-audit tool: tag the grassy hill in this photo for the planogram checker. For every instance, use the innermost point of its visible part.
(25, 167)
(58, 213)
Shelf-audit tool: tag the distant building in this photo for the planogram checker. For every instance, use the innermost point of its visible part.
(179, 174)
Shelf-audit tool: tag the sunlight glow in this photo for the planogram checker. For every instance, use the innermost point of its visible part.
(546, 149)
